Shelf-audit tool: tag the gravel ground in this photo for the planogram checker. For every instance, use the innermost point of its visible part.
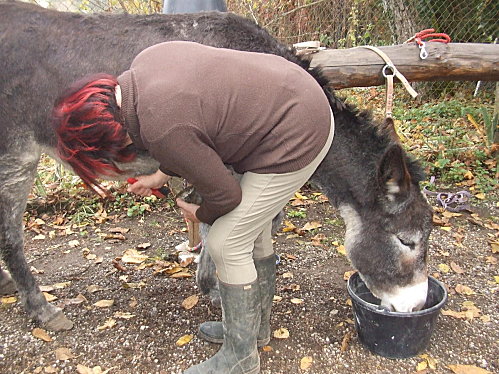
(139, 332)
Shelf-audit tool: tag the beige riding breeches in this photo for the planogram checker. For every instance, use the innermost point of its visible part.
(245, 232)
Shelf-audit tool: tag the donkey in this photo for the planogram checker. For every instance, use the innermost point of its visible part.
(366, 173)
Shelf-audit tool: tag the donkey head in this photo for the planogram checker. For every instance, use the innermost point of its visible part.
(387, 240)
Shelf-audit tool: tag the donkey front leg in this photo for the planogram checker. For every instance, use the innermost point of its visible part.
(16, 177)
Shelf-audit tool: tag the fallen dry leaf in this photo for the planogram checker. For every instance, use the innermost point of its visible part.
(104, 303)
(8, 300)
(60, 286)
(345, 341)
(311, 226)
(341, 250)
(491, 260)
(300, 196)
(181, 274)
(190, 302)
(36, 271)
(73, 243)
(292, 287)
(113, 238)
(448, 214)
(453, 313)
(306, 363)
(82, 369)
(444, 268)
(132, 256)
(63, 354)
(118, 266)
(123, 315)
(468, 369)
(318, 239)
(431, 362)
(348, 274)
(456, 268)
(421, 365)
(485, 318)
(296, 301)
(41, 334)
(77, 300)
(135, 285)
(110, 323)
(186, 261)
(183, 340)
(119, 230)
(267, 348)
(469, 311)
(93, 288)
(464, 290)
(281, 333)
(287, 275)
(288, 226)
(133, 302)
(49, 297)
(143, 246)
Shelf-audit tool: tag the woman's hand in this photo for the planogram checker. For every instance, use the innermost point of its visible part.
(145, 183)
(188, 210)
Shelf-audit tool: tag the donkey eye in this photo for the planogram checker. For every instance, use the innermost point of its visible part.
(406, 242)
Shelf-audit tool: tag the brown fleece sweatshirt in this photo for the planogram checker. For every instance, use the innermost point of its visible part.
(196, 108)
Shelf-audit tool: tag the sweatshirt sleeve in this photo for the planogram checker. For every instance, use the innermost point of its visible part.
(185, 151)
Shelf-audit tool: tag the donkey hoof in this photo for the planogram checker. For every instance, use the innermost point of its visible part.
(7, 285)
(59, 323)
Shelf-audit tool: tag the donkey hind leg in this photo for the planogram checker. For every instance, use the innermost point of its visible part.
(206, 274)
(7, 285)
(206, 277)
(16, 178)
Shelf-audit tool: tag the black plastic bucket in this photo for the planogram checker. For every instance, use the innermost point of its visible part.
(394, 334)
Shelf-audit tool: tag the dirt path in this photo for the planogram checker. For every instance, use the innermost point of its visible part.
(139, 332)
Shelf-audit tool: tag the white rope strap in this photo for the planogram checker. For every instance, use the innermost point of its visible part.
(391, 66)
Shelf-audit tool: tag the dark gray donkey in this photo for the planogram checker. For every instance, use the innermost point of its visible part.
(366, 174)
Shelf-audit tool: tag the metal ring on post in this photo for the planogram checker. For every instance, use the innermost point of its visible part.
(387, 66)
(424, 53)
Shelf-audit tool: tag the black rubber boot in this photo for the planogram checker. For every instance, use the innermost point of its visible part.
(241, 311)
(212, 331)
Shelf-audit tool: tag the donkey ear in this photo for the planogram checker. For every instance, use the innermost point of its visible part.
(387, 127)
(393, 175)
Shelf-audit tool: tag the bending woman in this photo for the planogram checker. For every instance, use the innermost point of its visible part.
(196, 109)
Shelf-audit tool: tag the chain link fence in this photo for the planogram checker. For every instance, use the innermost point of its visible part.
(345, 23)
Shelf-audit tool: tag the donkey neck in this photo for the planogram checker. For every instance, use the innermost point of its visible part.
(349, 173)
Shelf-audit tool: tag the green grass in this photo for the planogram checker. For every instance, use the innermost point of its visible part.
(453, 137)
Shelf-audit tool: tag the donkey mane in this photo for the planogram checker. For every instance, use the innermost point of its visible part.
(354, 124)
(382, 135)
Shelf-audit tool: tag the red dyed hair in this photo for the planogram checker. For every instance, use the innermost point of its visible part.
(90, 135)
